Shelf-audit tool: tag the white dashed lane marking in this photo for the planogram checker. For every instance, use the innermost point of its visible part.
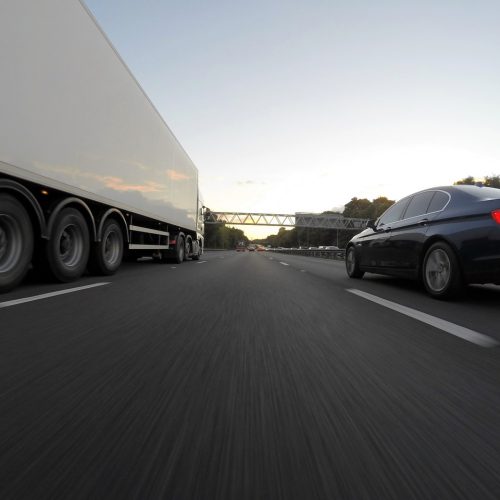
(16, 302)
(451, 328)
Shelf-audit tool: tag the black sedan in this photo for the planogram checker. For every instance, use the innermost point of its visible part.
(446, 237)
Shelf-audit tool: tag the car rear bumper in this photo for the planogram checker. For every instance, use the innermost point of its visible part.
(483, 270)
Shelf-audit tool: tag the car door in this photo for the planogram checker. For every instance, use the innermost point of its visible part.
(408, 235)
(373, 246)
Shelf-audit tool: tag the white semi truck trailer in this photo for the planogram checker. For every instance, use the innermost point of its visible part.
(89, 171)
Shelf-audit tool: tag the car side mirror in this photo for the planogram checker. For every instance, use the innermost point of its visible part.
(371, 224)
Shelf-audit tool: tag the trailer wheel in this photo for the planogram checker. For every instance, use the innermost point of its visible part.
(107, 254)
(16, 242)
(67, 250)
(180, 250)
(196, 256)
(188, 248)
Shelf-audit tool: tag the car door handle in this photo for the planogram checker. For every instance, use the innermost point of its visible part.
(423, 222)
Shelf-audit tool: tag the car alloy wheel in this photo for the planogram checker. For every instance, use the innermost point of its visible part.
(441, 271)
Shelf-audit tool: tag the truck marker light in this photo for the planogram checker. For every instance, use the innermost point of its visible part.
(44, 192)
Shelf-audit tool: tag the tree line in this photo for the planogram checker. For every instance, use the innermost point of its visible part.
(221, 236)
(357, 208)
(489, 181)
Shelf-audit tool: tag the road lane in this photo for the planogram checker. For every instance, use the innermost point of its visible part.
(240, 378)
(478, 310)
(438, 323)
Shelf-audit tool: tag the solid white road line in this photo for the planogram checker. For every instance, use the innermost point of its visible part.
(457, 330)
(202, 262)
(284, 264)
(16, 302)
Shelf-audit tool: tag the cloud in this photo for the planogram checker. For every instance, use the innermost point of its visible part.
(251, 183)
(118, 185)
(111, 182)
(174, 175)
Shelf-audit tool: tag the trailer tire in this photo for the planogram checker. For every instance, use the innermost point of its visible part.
(180, 250)
(67, 250)
(197, 255)
(188, 248)
(16, 242)
(107, 254)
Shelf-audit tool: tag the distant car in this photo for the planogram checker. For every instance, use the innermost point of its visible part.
(331, 247)
(447, 237)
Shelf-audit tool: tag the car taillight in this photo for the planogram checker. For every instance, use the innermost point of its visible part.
(496, 216)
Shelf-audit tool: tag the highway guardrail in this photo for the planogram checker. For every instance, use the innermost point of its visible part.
(320, 253)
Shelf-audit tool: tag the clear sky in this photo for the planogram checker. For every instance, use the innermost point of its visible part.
(289, 106)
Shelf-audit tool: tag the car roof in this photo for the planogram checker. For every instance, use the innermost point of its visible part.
(466, 191)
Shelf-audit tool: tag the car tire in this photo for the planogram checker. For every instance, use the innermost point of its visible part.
(441, 273)
(352, 264)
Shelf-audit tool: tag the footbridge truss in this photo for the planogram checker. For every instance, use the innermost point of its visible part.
(323, 221)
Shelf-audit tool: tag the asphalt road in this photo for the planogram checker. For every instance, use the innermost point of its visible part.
(247, 376)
